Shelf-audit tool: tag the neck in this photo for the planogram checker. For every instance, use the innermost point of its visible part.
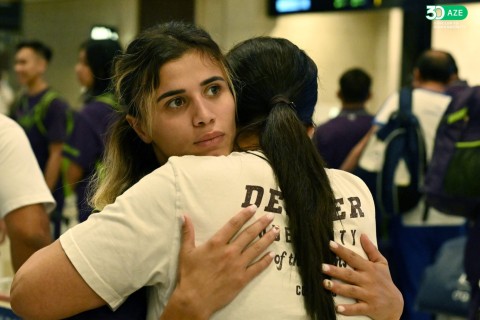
(37, 86)
(353, 106)
(432, 85)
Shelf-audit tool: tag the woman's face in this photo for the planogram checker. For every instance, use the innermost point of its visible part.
(194, 112)
(83, 71)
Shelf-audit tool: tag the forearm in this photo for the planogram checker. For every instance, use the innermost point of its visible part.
(184, 306)
(53, 165)
(47, 286)
(28, 230)
(74, 174)
(22, 249)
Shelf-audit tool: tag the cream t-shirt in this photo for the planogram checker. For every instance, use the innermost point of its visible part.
(135, 241)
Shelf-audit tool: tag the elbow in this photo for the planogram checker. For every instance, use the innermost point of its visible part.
(20, 300)
(25, 297)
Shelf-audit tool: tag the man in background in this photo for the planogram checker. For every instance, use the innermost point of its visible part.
(43, 115)
(335, 138)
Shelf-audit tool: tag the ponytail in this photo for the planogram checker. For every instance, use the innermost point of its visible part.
(276, 86)
(309, 201)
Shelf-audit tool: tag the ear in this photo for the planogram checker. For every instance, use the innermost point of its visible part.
(417, 78)
(42, 65)
(310, 131)
(369, 95)
(339, 95)
(135, 124)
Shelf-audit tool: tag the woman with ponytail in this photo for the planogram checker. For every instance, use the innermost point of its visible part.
(177, 98)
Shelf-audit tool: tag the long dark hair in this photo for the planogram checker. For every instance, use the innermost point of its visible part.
(276, 85)
(136, 78)
(100, 55)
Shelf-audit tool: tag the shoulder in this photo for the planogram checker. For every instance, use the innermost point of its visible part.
(337, 176)
(96, 108)
(233, 158)
(345, 183)
(234, 165)
(10, 131)
(421, 96)
(55, 99)
(7, 124)
(387, 108)
(326, 129)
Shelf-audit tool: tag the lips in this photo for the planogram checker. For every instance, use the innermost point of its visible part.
(209, 138)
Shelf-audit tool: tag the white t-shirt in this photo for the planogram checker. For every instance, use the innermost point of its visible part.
(22, 181)
(135, 241)
(429, 107)
(6, 96)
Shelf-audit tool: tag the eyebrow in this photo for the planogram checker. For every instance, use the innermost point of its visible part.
(169, 94)
(175, 92)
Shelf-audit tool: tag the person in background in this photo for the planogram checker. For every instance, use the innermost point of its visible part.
(197, 89)
(84, 147)
(6, 92)
(25, 199)
(6, 95)
(335, 138)
(417, 235)
(472, 264)
(44, 116)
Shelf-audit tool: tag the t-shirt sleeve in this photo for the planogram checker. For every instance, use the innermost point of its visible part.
(22, 181)
(131, 243)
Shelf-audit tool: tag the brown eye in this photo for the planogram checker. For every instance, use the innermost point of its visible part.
(213, 90)
(175, 103)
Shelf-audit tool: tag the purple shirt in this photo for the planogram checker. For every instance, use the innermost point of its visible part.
(54, 120)
(335, 138)
(88, 144)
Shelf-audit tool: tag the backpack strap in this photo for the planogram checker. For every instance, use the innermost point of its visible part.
(41, 108)
(34, 116)
(405, 104)
(458, 115)
(417, 163)
(107, 98)
(404, 142)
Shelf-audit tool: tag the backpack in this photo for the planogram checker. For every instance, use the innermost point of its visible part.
(35, 117)
(452, 181)
(400, 178)
(393, 162)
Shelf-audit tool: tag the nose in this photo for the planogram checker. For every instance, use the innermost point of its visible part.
(203, 114)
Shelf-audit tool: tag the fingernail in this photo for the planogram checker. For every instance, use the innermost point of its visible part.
(276, 229)
(253, 208)
(271, 254)
(328, 284)
(333, 244)
(325, 267)
(270, 216)
(340, 309)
